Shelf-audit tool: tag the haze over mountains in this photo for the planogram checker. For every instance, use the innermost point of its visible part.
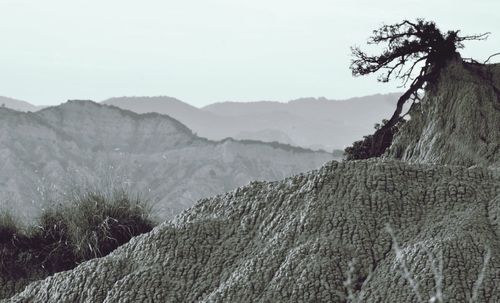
(80, 143)
(308, 122)
(316, 123)
(18, 105)
(425, 229)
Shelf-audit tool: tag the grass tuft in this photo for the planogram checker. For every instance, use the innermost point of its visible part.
(89, 225)
(8, 227)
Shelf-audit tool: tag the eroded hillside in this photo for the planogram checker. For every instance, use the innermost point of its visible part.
(458, 122)
(361, 231)
(291, 241)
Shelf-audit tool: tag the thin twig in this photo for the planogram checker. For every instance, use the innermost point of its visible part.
(402, 264)
(480, 277)
(491, 57)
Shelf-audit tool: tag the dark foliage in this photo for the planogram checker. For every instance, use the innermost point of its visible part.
(409, 45)
(370, 146)
(90, 226)
(8, 227)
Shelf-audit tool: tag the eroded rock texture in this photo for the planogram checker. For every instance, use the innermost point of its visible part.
(458, 122)
(292, 240)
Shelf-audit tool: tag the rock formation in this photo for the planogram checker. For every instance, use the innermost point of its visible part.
(361, 231)
(458, 122)
(292, 241)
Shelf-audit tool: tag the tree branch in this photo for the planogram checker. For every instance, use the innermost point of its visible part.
(491, 57)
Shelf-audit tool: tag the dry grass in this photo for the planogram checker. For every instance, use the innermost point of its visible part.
(90, 225)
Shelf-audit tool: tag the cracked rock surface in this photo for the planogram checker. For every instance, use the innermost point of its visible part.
(425, 229)
(458, 122)
(292, 240)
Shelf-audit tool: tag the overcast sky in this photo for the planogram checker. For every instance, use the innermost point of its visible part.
(205, 51)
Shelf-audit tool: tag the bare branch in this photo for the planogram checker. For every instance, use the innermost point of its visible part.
(491, 57)
(407, 45)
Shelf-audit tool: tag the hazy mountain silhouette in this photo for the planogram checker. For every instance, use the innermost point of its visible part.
(18, 105)
(307, 122)
(82, 142)
(377, 230)
(316, 123)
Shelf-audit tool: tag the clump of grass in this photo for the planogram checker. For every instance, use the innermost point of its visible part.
(99, 224)
(88, 226)
(8, 227)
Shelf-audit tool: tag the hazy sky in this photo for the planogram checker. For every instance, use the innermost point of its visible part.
(203, 51)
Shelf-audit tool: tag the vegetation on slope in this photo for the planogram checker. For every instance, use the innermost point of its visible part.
(89, 226)
(409, 46)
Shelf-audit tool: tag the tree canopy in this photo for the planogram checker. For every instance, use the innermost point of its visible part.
(409, 46)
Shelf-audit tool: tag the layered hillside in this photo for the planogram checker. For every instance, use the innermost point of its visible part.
(18, 105)
(81, 143)
(361, 231)
(458, 122)
(309, 122)
(292, 241)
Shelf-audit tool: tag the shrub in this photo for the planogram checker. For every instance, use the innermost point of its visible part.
(374, 145)
(8, 227)
(88, 226)
(98, 224)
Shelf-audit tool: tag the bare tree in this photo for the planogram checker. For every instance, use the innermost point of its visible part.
(409, 46)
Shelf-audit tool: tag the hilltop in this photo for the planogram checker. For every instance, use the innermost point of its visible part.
(459, 123)
(378, 230)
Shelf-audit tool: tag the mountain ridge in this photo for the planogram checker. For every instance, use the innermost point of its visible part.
(19, 105)
(290, 245)
(320, 124)
(378, 230)
(85, 143)
(302, 122)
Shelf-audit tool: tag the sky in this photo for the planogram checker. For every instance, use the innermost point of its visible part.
(206, 51)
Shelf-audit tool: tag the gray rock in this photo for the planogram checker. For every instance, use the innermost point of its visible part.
(458, 122)
(292, 240)
(419, 230)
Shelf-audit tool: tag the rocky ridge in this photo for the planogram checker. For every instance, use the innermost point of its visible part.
(362, 231)
(292, 241)
(458, 122)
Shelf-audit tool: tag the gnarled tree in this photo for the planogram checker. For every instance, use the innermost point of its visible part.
(410, 45)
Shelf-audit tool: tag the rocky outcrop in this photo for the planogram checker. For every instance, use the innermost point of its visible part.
(418, 230)
(293, 240)
(458, 122)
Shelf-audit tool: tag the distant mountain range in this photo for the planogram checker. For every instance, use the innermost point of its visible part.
(308, 122)
(81, 143)
(315, 123)
(18, 105)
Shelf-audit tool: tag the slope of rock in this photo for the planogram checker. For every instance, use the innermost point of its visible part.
(458, 122)
(292, 241)
(81, 143)
(323, 236)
